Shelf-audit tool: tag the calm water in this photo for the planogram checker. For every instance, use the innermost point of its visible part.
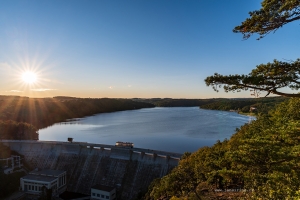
(169, 129)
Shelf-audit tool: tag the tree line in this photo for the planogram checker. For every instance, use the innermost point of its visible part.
(21, 116)
(260, 105)
(226, 104)
(12, 130)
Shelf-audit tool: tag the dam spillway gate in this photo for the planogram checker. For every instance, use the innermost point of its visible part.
(130, 170)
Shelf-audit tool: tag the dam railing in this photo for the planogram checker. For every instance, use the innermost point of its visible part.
(100, 146)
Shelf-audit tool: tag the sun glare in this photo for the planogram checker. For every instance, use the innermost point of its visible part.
(29, 77)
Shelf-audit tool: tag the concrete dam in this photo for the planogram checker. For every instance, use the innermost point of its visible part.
(129, 170)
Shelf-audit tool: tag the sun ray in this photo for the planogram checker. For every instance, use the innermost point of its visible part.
(29, 77)
(32, 76)
(43, 111)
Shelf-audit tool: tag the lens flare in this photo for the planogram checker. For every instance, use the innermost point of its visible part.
(29, 77)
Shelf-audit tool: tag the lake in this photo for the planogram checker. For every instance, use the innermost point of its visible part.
(178, 129)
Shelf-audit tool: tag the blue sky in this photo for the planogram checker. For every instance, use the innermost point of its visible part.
(149, 48)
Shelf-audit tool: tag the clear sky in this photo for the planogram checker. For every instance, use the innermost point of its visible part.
(125, 48)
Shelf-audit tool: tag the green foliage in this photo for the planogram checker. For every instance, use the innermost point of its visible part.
(43, 112)
(266, 77)
(262, 157)
(268, 152)
(262, 105)
(272, 16)
(11, 130)
(168, 102)
(271, 76)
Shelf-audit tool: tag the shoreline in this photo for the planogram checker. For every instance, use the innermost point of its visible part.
(247, 114)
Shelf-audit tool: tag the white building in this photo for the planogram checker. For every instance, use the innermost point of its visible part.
(51, 179)
(103, 192)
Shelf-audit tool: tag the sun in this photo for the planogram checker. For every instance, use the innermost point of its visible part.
(29, 77)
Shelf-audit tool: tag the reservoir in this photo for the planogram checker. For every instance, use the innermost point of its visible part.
(178, 129)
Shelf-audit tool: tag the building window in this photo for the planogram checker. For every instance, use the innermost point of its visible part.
(98, 195)
(102, 196)
(93, 194)
(29, 187)
(107, 197)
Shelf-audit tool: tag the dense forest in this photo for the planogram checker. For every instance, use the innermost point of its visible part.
(20, 117)
(241, 105)
(42, 112)
(12, 130)
(169, 102)
(261, 160)
(260, 105)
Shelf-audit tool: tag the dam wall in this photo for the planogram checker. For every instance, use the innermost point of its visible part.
(130, 170)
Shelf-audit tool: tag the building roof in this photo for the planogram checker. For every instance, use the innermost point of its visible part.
(32, 177)
(103, 188)
(47, 172)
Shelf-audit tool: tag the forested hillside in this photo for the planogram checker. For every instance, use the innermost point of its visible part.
(42, 112)
(261, 160)
(36, 113)
(12, 130)
(169, 102)
(261, 105)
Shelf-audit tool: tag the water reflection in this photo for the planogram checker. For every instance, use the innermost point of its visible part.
(169, 129)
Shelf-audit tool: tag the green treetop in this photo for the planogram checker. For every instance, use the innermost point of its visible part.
(266, 77)
(272, 76)
(272, 16)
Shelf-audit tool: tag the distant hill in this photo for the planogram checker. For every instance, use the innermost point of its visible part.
(168, 102)
(43, 112)
(243, 105)
(4, 97)
(259, 105)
